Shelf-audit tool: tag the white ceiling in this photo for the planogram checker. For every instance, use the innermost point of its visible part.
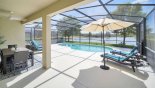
(23, 8)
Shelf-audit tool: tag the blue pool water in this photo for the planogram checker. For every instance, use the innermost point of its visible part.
(89, 48)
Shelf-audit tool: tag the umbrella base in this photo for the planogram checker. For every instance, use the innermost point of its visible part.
(104, 67)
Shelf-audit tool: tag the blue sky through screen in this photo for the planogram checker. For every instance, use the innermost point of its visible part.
(101, 11)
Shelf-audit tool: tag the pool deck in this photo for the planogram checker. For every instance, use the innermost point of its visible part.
(80, 69)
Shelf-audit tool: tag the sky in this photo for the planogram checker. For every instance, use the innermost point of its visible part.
(101, 11)
(150, 23)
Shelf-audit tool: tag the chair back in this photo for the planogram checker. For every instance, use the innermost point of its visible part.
(35, 44)
(7, 52)
(21, 57)
(12, 46)
(134, 49)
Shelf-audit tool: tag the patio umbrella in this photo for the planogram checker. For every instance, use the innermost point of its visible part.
(104, 25)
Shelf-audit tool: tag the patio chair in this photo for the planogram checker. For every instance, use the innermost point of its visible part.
(20, 60)
(123, 60)
(124, 53)
(36, 45)
(9, 60)
(12, 46)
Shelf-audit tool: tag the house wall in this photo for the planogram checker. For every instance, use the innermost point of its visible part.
(13, 32)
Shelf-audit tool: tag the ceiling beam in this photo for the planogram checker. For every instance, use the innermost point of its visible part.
(130, 4)
(84, 14)
(53, 25)
(109, 1)
(103, 5)
(65, 22)
(73, 18)
(113, 15)
(91, 16)
(58, 7)
(61, 26)
(127, 15)
(150, 11)
(107, 4)
(115, 5)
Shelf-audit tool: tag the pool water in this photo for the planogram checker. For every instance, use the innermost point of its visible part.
(89, 48)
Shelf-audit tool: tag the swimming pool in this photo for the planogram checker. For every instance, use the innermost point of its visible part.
(89, 48)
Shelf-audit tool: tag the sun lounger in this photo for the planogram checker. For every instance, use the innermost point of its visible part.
(122, 59)
(123, 53)
(36, 45)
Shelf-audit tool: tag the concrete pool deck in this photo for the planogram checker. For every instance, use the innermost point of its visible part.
(80, 69)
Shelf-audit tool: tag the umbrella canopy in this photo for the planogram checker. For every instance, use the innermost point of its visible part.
(106, 24)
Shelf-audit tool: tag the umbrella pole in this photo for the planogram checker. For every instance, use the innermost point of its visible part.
(104, 66)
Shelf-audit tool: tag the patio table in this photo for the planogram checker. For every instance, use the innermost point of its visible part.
(9, 53)
(25, 49)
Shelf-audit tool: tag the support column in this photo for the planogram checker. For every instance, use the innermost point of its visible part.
(144, 41)
(34, 33)
(138, 37)
(89, 38)
(116, 37)
(46, 41)
(80, 37)
(101, 38)
(72, 34)
(57, 37)
(31, 34)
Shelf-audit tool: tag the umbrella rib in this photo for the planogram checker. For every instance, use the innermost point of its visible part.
(108, 27)
(119, 25)
(111, 27)
(103, 22)
(97, 27)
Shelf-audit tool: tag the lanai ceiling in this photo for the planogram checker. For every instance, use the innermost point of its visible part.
(22, 8)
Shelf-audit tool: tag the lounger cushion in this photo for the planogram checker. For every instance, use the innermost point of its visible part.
(125, 53)
(118, 58)
(114, 57)
(120, 52)
(36, 45)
